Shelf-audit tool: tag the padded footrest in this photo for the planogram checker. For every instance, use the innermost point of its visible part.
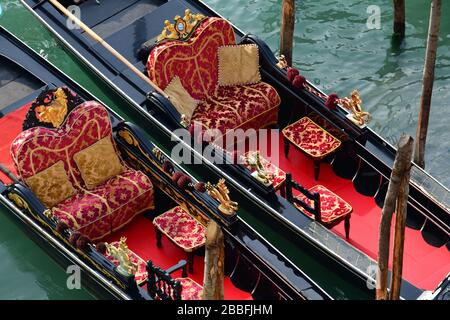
(180, 227)
(311, 138)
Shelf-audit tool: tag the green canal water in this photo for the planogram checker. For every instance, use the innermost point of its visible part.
(333, 48)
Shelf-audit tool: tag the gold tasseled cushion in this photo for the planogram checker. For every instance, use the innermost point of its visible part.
(98, 163)
(51, 185)
(238, 65)
(180, 98)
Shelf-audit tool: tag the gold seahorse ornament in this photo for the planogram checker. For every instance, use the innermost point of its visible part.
(122, 254)
(253, 159)
(220, 192)
(353, 104)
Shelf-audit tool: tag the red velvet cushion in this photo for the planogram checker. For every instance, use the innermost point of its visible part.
(232, 107)
(108, 207)
(311, 138)
(191, 290)
(332, 206)
(86, 213)
(127, 195)
(195, 61)
(181, 228)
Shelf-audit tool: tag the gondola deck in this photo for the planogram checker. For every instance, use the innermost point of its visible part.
(424, 267)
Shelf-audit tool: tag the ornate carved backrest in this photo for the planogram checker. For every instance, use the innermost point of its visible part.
(160, 285)
(194, 59)
(38, 148)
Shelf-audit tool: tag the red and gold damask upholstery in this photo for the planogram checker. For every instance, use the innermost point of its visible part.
(38, 148)
(127, 195)
(191, 290)
(311, 138)
(85, 212)
(141, 274)
(332, 207)
(95, 212)
(245, 107)
(195, 62)
(180, 227)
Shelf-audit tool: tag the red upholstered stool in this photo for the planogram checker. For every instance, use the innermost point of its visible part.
(182, 229)
(191, 290)
(314, 141)
(320, 204)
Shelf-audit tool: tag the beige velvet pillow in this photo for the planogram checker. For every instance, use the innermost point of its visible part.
(98, 163)
(51, 185)
(180, 98)
(238, 65)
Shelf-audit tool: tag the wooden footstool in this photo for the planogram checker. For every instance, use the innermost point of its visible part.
(182, 229)
(314, 141)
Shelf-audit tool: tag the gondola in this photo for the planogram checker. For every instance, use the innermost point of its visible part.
(113, 229)
(351, 169)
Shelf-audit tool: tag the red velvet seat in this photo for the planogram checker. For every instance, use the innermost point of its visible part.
(182, 229)
(244, 107)
(195, 62)
(320, 203)
(98, 212)
(333, 209)
(191, 290)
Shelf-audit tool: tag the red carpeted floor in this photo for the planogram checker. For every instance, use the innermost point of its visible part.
(10, 127)
(423, 265)
(141, 239)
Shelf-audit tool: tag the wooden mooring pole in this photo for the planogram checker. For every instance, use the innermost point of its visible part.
(287, 30)
(399, 18)
(396, 199)
(427, 85)
(399, 233)
(214, 263)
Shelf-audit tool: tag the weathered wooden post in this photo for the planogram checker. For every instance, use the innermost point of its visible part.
(214, 263)
(287, 30)
(400, 223)
(427, 85)
(396, 193)
(399, 18)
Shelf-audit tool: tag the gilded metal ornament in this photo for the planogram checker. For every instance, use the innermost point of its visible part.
(220, 192)
(182, 28)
